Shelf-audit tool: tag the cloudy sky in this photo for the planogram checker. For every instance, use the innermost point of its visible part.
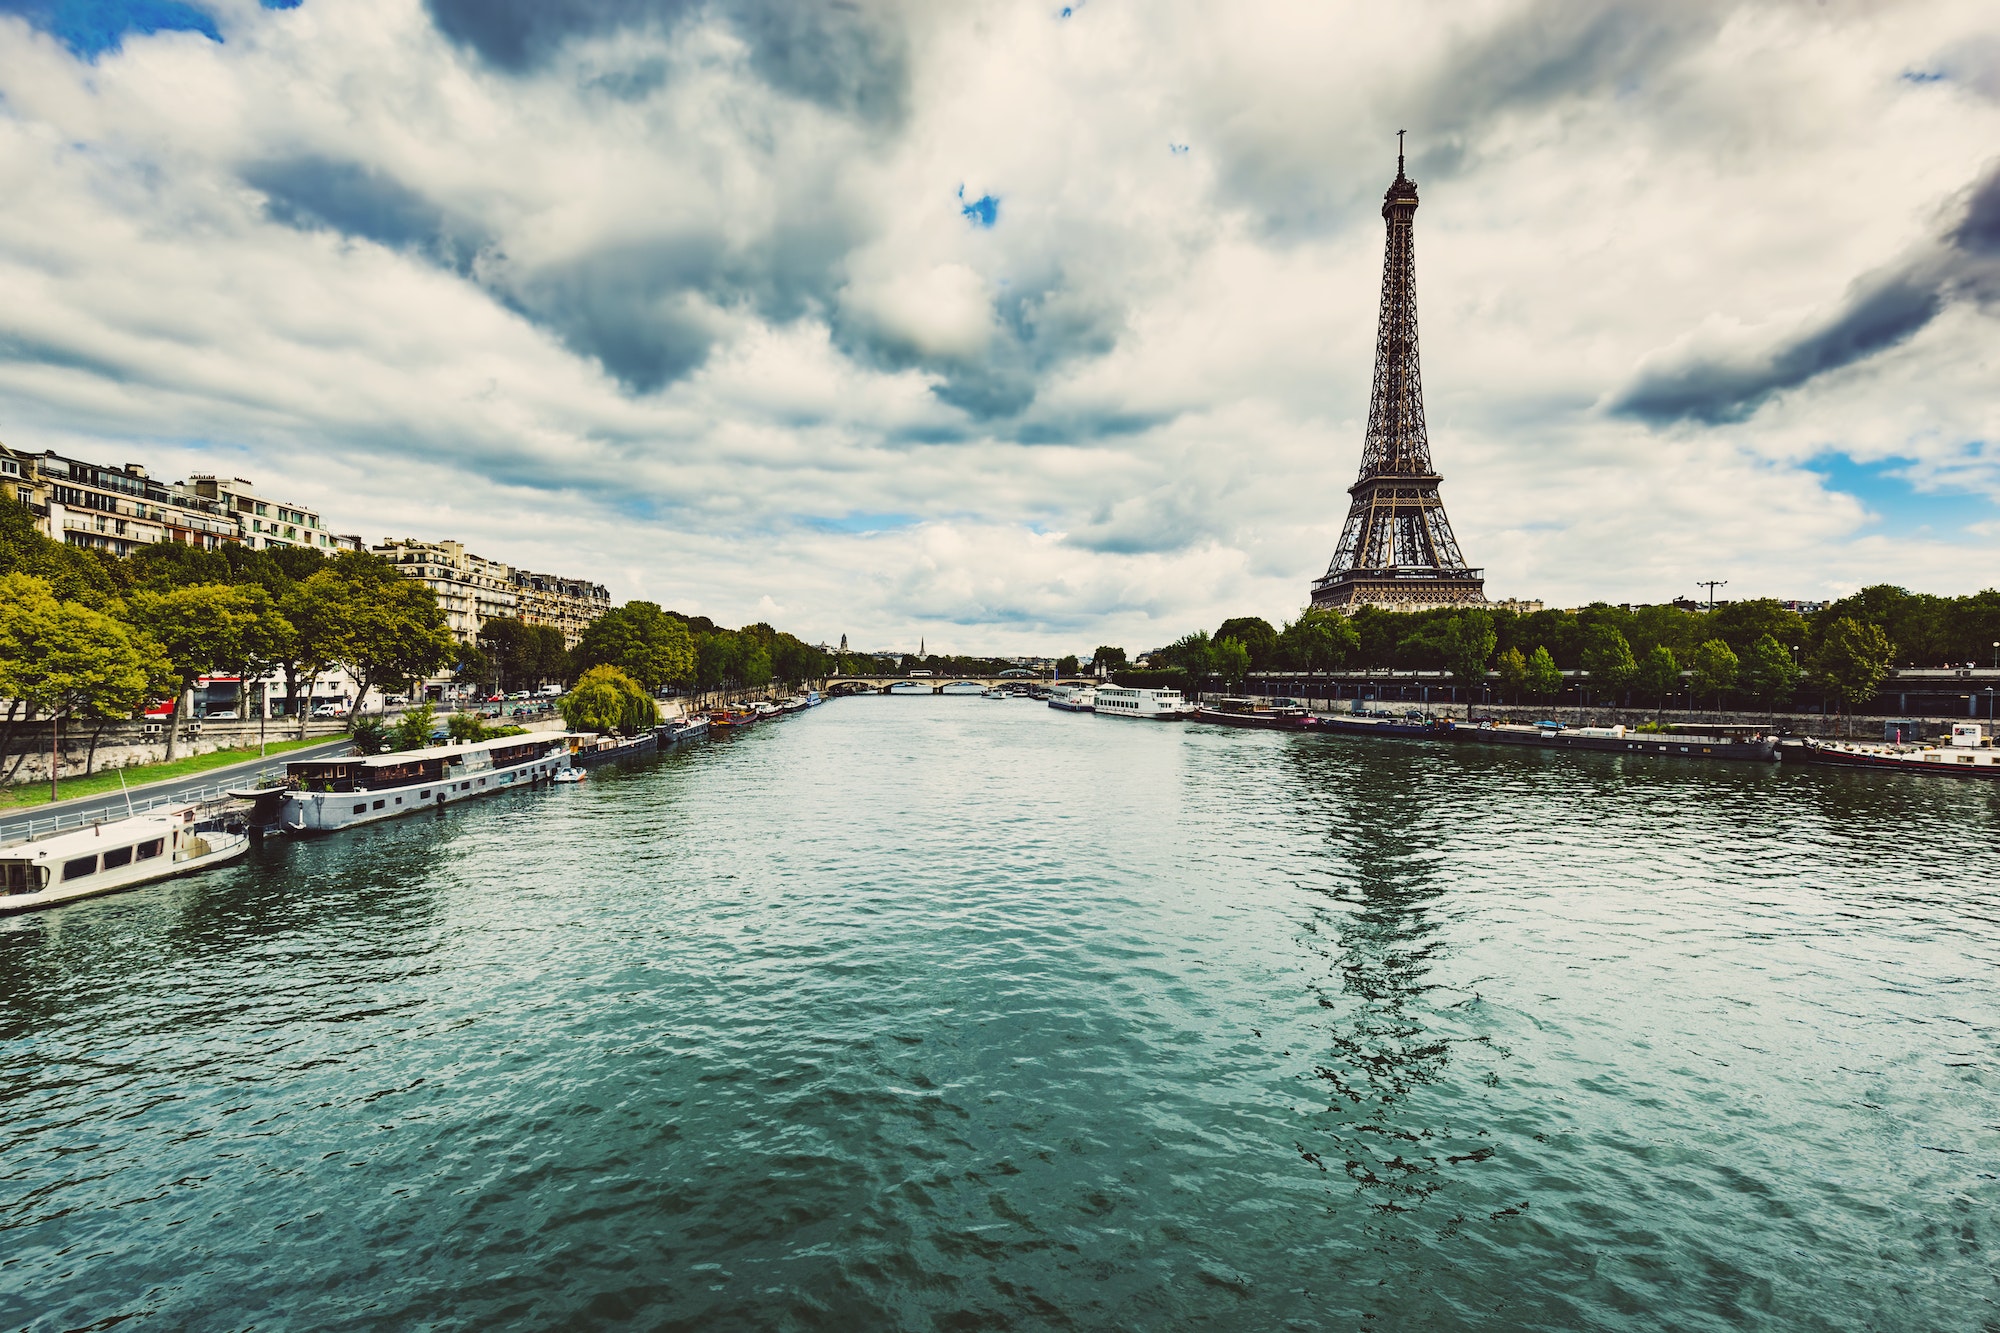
(1023, 325)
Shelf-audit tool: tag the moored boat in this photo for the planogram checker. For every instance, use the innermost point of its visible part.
(1073, 699)
(329, 794)
(119, 854)
(1257, 714)
(682, 731)
(731, 718)
(1967, 754)
(1689, 741)
(1146, 704)
(588, 750)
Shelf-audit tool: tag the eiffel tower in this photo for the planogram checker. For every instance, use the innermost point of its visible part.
(1396, 550)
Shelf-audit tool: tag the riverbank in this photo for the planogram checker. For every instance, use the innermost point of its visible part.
(22, 795)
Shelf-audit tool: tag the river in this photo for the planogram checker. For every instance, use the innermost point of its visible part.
(955, 1013)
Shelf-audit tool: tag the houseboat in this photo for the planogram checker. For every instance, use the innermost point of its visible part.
(588, 750)
(328, 794)
(121, 854)
(682, 731)
(1968, 753)
(1699, 740)
(1148, 705)
(1257, 714)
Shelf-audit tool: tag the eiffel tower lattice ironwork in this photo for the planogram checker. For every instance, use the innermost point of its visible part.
(1397, 550)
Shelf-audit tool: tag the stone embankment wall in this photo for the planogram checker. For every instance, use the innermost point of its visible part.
(123, 744)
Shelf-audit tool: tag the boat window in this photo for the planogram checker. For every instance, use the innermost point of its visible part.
(361, 809)
(378, 805)
(18, 878)
(482, 782)
(77, 869)
(424, 795)
(117, 856)
(148, 850)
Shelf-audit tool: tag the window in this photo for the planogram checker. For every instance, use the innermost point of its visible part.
(361, 809)
(378, 805)
(424, 795)
(121, 856)
(77, 869)
(399, 800)
(149, 850)
(263, 510)
(482, 782)
(22, 879)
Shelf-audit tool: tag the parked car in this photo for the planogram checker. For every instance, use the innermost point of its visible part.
(397, 699)
(220, 715)
(330, 710)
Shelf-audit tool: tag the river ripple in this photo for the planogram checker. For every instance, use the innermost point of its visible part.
(930, 1012)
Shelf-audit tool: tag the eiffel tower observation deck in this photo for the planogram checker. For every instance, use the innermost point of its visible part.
(1397, 550)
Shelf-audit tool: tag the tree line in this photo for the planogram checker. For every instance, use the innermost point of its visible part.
(1756, 650)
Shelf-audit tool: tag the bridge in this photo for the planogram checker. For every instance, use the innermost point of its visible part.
(838, 686)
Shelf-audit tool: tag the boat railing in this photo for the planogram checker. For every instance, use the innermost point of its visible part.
(28, 830)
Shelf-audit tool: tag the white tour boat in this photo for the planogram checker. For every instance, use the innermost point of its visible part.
(1151, 705)
(329, 794)
(1073, 698)
(118, 855)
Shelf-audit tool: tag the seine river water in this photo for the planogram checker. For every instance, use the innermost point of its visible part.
(955, 1013)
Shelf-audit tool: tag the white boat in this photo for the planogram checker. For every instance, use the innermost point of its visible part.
(813, 699)
(567, 775)
(118, 855)
(993, 692)
(330, 794)
(1150, 705)
(1073, 698)
(911, 687)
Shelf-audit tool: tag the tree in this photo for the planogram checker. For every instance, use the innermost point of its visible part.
(1854, 658)
(1608, 659)
(313, 610)
(1513, 669)
(1469, 643)
(523, 655)
(383, 626)
(606, 699)
(1770, 674)
(1545, 679)
(66, 660)
(1319, 640)
(1193, 655)
(467, 727)
(1231, 661)
(1108, 659)
(646, 644)
(1256, 636)
(264, 640)
(413, 729)
(368, 734)
(204, 628)
(1715, 669)
(1659, 675)
(1069, 666)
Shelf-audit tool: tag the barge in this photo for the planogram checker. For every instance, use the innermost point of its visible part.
(1966, 754)
(324, 795)
(1690, 741)
(1257, 715)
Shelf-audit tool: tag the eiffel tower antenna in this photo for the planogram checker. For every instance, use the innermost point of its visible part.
(1397, 549)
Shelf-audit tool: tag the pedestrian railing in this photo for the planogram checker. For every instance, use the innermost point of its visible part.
(27, 830)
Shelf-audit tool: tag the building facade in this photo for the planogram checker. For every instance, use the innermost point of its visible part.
(111, 509)
(264, 525)
(470, 589)
(550, 599)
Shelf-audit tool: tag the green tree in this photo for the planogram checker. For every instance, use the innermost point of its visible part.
(1854, 658)
(1256, 636)
(467, 727)
(1659, 676)
(384, 627)
(1108, 659)
(67, 660)
(648, 645)
(1608, 659)
(412, 731)
(1545, 679)
(313, 610)
(1193, 655)
(368, 734)
(606, 700)
(1231, 660)
(1770, 674)
(1513, 669)
(1319, 640)
(1715, 669)
(1469, 643)
(204, 628)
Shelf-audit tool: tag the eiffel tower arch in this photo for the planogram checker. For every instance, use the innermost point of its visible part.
(1396, 549)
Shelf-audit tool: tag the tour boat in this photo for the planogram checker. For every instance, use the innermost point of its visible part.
(813, 699)
(1257, 714)
(1149, 705)
(120, 854)
(330, 794)
(1693, 740)
(1969, 754)
(1073, 699)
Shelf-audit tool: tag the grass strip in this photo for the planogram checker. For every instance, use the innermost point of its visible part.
(106, 780)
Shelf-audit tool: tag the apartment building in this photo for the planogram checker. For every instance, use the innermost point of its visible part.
(110, 509)
(567, 604)
(263, 524)
(470, 589)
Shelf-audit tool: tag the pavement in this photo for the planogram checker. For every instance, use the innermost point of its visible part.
(37, 819)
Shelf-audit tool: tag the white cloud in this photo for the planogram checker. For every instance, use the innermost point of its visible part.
(665, 306)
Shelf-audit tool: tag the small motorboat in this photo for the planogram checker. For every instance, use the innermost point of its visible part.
(568, 775)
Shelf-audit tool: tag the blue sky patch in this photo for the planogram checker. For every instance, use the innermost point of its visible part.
(981, 212)
(1923, 76)
(858, 522)
(1897, 504)
(89, 28)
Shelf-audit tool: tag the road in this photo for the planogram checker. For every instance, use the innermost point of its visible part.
(15, 825)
